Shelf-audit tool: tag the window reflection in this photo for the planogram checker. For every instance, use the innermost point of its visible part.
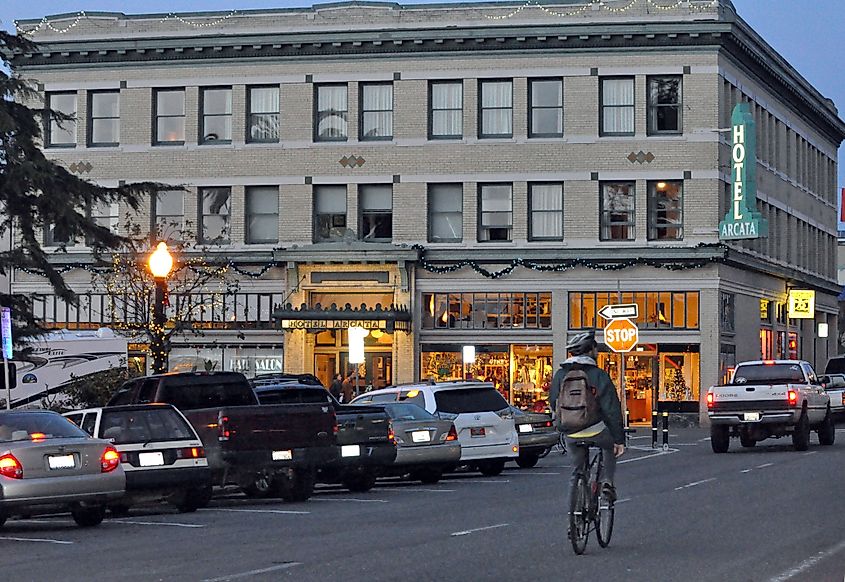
(487, 311)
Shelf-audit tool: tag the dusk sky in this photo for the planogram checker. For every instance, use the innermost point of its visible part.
(808, 33)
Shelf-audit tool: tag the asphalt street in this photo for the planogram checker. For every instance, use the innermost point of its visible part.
(767, 514)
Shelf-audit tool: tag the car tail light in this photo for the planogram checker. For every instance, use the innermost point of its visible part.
(391, 435)
(335, 426)
(548, 423)
(110, 460)
(191, 453)
(10, 467)
(223, 432)
(792, 396)
(709, 400)
(453, 434)
(37, 437)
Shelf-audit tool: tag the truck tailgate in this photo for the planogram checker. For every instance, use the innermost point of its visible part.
(362, 425)
(742, 398)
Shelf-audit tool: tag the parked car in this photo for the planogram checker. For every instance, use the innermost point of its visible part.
(48, 463)
(537, 435)
(834, 385)
(266, 450)
(482, 417)
(160, 452)
(425, 444)
(365, 442)
(284, 377)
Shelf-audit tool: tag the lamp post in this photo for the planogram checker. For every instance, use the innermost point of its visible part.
(160, 264)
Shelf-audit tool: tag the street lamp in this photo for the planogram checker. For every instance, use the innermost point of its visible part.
(468, 358)
(160, 264)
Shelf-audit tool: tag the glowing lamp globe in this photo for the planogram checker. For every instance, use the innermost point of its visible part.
(161, 261)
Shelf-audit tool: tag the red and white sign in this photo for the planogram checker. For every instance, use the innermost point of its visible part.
(621, 335)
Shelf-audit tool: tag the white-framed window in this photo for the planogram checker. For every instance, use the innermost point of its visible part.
(216, 103)
(445, 213)
(169, 117)
(331, 112)
(545, 116)
(214, 215)
(376, 121)
(107, 215)
(495, 111)
(617, 106)
(617, 211)
(168, 215)
(262, 214)
(495, 212)
(329, 212)
(263, 116)
(665, 110)
(545, 205)
(61, 133)
(375, 205)
(446, 110)
(104, 114)
(666, 210)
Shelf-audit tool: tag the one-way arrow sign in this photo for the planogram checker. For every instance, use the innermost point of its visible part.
(628, 310)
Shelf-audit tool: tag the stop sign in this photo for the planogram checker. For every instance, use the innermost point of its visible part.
(621, 335)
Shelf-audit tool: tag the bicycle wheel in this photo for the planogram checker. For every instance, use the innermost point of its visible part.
(604, 521)
(578, 524)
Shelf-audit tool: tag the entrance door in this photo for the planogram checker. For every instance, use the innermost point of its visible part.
(639, 386)
(377, 369)
(325, 367)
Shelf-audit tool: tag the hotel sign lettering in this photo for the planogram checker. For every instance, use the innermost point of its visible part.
(743, 221)
(333, 323)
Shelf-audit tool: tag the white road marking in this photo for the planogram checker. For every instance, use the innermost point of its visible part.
(469, 531)
(253, 572)
(745, 471)
(350, 499)
(42, 540)
(401, 489)
(533, 473)
(476, 481)
(704, 440)
(618, 501)
(643, 458)
(164, 523)
(811, 453)
(764, 465)
(694, 483)
(280, 511)
(809, 563)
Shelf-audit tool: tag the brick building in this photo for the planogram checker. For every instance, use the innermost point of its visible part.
(483, 174)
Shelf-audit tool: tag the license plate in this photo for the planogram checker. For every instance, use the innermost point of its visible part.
(526, 428)
(151, 459)
(751, 416)
(350, 450)
(420, 436)
(61, 462)
(477, 431)
(282, 455)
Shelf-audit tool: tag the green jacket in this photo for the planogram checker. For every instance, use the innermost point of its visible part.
(611, 408)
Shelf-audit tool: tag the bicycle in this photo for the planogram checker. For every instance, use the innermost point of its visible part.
(559, 447)
(588, 509)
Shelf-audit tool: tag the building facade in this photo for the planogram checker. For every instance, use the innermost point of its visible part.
(486, 175)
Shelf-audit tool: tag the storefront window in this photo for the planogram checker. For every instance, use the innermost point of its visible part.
(487, 311)
(532, 375)
(248, 361)
(766, 337)
(657, 310)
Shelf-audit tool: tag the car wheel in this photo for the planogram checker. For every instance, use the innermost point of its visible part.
(3, 517)
(88, 516)
(746, 440)
(801, 433)
(527, 461)
(360, 482)
(260, 487)
(192, 499)
(720, 438)
(427, 476)
(492, 467)
(827, 430)
(298, 487)
(119, 510)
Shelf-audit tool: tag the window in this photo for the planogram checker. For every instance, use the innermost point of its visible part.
(214, 215)
(263, 116)
(168, 215)
(617, 106)
(104, 128)
(106, 214)
(656, 309)
(545, 117)
(375, 203)
(445, 213)
(545, 205)
(617, 211)
(376, 111)
(726, 312)
(665, 210)
(495, 216)
(216, 116)
(664, 105)
(447, 110)
(262, 214)
(486, 311)
(496, 109)
(62, 132)
(56, 235)
(330, 116)
(170, 117)
(329, 213)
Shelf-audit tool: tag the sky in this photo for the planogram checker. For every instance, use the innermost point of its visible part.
(808, 33)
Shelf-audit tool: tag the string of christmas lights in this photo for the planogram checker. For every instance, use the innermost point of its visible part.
(45, 23)
(610, 6)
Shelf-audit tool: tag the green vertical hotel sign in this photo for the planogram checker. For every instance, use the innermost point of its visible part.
(743, 220)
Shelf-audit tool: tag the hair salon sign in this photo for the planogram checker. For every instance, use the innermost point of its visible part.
(743, 220)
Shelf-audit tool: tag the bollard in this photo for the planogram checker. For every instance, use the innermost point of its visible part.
(627, 424)
(665, 431)
(654, 416)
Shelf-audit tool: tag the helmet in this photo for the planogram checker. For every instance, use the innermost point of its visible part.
(582, 343)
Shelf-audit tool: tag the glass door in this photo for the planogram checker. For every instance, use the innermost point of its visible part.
(325, 367)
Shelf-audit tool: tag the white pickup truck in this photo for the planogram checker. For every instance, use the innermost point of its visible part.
(771, 398)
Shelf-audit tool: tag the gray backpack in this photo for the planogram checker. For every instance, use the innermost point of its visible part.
(577, 406)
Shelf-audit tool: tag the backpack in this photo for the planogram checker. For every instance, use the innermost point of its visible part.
(577, 406)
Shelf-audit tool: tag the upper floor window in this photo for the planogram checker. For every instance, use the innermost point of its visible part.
(446, 116)
(376, 111)
(495, 214)
(62, 132)
(496, 109)
(263, 116)
(262, 214)
(375, 204)
(170, 116)
(655, 309)
(545, 204)
(107, 215)
(445, 213)
(665, 210)
(55, 235)
(168, 214)
(330, 113)
(486, 311)
(329, 213)
(104, 113)
(546, 108)
(216, 115)
(617, 211)
(214, 215)
(617, 106)
(664, 105)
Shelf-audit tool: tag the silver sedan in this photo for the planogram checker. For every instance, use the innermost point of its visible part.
(47, 463)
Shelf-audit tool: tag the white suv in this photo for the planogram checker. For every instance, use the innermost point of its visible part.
(481, 415)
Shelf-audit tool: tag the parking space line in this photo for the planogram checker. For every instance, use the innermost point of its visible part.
(695, 483)
(618, 501)
(351, 499)
(537, 473)
(809, 563)
(164, 523)
(644, 457)
(42, 540)
(414, 489)
(254, 572)
(764, 465)
(279, 511)
(469, 531)
(475, 481)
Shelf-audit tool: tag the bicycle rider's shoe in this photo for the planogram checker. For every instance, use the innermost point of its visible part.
(609, 492)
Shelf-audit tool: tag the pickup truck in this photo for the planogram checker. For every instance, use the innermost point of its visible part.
(365, 440)
(771, 398)
(265, 450)
(834, 385)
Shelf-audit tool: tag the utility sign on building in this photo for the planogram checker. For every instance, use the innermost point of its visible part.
(743, 220)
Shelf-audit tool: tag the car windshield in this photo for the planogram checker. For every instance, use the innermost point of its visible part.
(463, 400)
(19, 426)
(769, 374)
(293, 395)
(405, 411)
(141, 426)
(192, 392)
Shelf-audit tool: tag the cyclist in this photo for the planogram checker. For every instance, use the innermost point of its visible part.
(608, 434)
